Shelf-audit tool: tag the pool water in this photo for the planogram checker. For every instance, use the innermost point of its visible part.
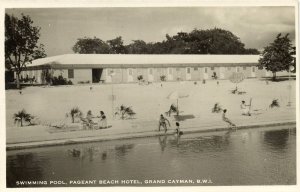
(263, 156)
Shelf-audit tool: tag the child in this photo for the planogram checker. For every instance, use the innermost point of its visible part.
(178, 132)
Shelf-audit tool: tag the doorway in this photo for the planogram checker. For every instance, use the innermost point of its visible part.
(96, 74)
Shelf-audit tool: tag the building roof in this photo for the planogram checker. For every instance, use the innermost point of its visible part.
(128, 60)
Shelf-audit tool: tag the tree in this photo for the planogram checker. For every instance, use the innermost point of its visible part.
(21, 39)
(23, 115)
(88, 45)
(137, 47)
(116, 46)
(278, 55)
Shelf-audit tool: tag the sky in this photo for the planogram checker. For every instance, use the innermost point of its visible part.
(61, 27)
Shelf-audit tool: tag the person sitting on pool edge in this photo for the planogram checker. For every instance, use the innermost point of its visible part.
(103, 121)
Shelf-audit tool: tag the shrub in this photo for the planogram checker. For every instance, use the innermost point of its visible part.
(217, 108)
(125, 112)
(140, 77)
(163, 78)
(274, 103)
(59, 80)
(214, 76)
(75, 112)
(70, 82)
(22, 115)
(203, 81)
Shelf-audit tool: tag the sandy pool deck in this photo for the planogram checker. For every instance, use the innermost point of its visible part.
(50, 104)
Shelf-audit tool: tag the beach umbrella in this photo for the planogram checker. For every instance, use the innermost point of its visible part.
(175, 95)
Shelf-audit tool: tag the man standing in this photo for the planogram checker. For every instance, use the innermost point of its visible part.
(163, 123)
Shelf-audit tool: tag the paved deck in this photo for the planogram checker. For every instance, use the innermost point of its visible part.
(39, 136)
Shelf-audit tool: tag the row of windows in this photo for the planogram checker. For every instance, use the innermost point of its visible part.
(188, 70)
(170, 70)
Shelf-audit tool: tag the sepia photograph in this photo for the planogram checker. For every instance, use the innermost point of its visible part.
(150, 96)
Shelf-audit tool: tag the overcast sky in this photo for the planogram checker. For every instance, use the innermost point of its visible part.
(60, 28)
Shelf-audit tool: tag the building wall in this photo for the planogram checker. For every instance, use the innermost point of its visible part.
(80, 75)
(129, 75)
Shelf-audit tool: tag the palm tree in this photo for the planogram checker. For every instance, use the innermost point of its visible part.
(126, 111)
(75, 112)
(22, 115)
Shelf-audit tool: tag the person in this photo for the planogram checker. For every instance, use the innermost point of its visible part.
(103, 121)
(245, 109)
(177, 130)
(226, 119)
(163, 122)
(89, 118)
(172, 109)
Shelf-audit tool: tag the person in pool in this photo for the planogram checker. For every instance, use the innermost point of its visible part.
(163, 123)
(177, 130)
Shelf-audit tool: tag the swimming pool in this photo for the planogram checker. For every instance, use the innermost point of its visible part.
(263, 156)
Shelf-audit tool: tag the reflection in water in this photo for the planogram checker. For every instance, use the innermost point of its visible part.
(202, 143)
(228, 158)
(24, 166)
(162, 140)
(122, 150)
(277, 138)
(104, 155)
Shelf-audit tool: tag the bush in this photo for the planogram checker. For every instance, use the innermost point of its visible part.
(214, 76)
(163, 78)
(217, 108)
(125, 112)
(274, 103)
(75, 113)
(140, 77)
(59, 80)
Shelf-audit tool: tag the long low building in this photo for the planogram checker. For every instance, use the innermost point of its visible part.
(123, 68)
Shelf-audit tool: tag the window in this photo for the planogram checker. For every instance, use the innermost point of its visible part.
(244, 68)
(70, 73)
(130, 72)
(237, 69)
(188, 70)
(205, 70)
(228, 68)
(177, 69)
(195, 68)
(253, 69)
(111, 71)
(159, 70)
(212, 68)
(170, 71)
(150, 71)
